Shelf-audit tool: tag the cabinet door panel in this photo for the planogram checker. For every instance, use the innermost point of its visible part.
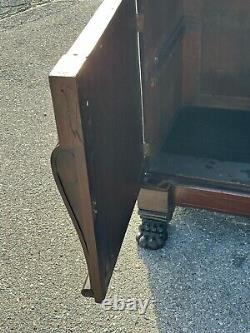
(97, 164)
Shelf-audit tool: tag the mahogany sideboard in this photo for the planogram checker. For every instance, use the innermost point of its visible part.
(152, 99)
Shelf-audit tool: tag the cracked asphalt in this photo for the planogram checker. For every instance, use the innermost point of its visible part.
(198, 283)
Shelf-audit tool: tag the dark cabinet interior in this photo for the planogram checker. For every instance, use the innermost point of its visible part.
(196, 60)
(196, 83)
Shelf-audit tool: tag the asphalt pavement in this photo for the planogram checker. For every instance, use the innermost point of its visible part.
(198, 283)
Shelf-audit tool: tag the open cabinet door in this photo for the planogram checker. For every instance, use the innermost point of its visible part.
(97, 163)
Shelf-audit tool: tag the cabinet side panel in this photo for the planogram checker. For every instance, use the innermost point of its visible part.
(162, 67)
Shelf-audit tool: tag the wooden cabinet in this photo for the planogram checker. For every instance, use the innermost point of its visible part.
(153, 99)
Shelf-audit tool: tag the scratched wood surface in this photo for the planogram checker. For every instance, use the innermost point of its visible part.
(96, 95)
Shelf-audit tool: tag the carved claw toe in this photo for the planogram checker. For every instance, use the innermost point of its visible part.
(152, 234)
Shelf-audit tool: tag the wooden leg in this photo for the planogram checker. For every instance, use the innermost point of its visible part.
(152, 234)
(156, 210)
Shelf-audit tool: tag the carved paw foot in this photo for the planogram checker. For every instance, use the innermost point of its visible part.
(152, 234)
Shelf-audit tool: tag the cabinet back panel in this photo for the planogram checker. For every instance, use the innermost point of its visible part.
(225, 67)
(217, 53)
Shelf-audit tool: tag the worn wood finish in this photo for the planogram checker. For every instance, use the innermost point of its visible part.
(216, 53)
(197, 193)
(156, 210)
(214, 70)
(153, 200)
(191, 51)
(218, 173)
(225, 67)
(205, 146)
(194, 53)
(96, 96)
(162, 67)
(64, 172)
(205, 150)
(223, 201)
(223, 102)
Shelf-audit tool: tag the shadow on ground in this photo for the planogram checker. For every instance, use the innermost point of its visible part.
(200, 280)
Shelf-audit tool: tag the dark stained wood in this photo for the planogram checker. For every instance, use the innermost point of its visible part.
(213, 199)
(193, 53)
(162, 75)
(196, 193)
(219, 173)
(214, 70)
(96, 96)
(225, 67)
(223, 102)
(207, 147)
(153, 200)
(63, 167)
(216, 52)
